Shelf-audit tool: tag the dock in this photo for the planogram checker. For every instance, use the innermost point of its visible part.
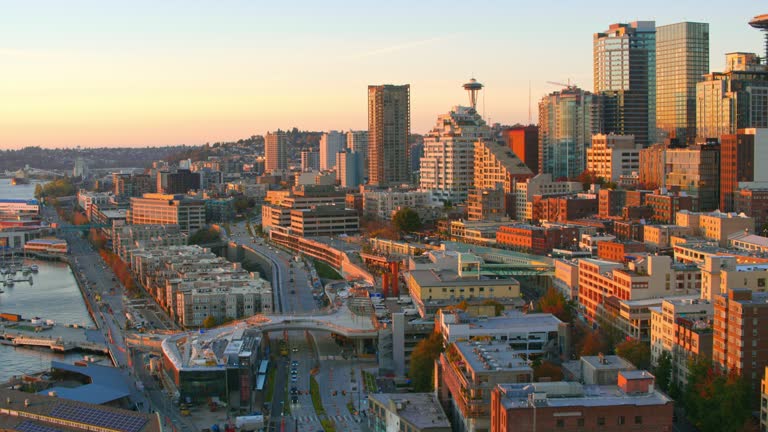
(57, 338)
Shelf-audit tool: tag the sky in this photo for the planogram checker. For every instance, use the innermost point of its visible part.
(166, 72)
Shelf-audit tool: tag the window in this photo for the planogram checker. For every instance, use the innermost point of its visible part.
(601, 421)
(638, 419)
(621, 420)
(580, 422)
(560, 423)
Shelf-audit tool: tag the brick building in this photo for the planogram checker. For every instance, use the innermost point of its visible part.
(563, 209)
(633, 404)
(628, 230)
(665, 206)
(535, 239)
(616, 250)
(740, 341)
(752, 200)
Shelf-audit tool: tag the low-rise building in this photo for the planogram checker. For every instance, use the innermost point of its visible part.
(615, 250)
(631, 404)
(748, 242)
(612, 156)
(324, 221)
(87, 199)
(466, 375)
(432, 289)
(535, 239)
(154, 209)
(566, 279)
(540, 185)
(382, 204)
(682, 328)
(660, 236)
(487, 205)
(752, 199)
(412, 412)
(276, 212)
(666, 205)
(716, 225)
(534, 334)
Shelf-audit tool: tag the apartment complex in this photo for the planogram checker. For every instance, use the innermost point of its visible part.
(743, 158)
(411, 412)
(524, 143)
(535, 239)
(275, 151)
(331, 143)
(447, 168)
(544, 186)
(132, 185)
(389, 126)
(161, 209)
(324, 221)
(277, 213)
(179, 181)
(740, 341)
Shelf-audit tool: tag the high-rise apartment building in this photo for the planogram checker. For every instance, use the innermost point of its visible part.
(567, 121)
(743, 158)
(275, 151)
(682, 60)
(349, 169)
(524, 142)
(447, 167)
(612, 156)
(330, 144)
(625, 72)
(389, 126)
(132, 185)
(740, 341)
(310, 160)
(734, 99)
(357, 141)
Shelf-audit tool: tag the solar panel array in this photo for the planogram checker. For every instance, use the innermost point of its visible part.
(30, 426)
(98, 417)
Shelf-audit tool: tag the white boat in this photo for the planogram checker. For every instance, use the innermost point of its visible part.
(9, 282)
(34, 268)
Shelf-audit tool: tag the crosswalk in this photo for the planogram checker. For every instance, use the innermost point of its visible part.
(346, 418)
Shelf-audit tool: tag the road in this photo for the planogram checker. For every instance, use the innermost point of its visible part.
(294, 294)
(97, 278)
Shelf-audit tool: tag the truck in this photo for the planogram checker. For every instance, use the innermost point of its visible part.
(252, 422)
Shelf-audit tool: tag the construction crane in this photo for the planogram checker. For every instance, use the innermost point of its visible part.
(569, 85)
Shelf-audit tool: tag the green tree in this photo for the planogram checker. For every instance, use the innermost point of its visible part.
(407, 220)
(548, 370)
(204, 236)
(663, 371)
(423, 362)
(715, 401)
(209, 322)
(38, 191)
(636, 352)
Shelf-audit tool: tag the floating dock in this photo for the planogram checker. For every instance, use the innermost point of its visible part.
(57, 338)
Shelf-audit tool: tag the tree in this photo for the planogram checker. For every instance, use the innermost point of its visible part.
(209, 322)
(407, 220)
(423, 362)
(715, 401)
(204, 236)
(593, 344)
(663, 371)
(498, 307)
(548, 370)
(638, 353)
(555, 303)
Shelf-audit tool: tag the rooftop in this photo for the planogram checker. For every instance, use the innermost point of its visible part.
(492, 357)
(422, 410)
(106, 384)
(19, 201)
(31, 412)
(574, 394)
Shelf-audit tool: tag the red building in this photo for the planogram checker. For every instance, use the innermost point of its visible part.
(753, 202)
(524, 142)
(611, 202)
(737, 156)
(740, 339)
(632, 405)
(563, 209)
(618, 250)
(535, 239)
(629, 230)
(666, 206)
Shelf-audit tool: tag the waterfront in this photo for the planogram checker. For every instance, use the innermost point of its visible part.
(53, 295)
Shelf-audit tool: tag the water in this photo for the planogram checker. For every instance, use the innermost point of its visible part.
(53, 295)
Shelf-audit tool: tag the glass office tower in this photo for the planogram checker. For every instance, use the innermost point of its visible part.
(625, 73)
(682, 60)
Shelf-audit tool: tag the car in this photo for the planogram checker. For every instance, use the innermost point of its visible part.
(294, 349)
(294, 372)
(295, 363)
(295, 399)
(294, 391)
(294, 378)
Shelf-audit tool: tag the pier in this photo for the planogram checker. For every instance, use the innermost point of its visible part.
(57, 338)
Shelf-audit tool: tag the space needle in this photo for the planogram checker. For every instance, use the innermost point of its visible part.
(760, 22)
(473, 87)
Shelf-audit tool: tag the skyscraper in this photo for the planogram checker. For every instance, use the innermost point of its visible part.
(625, 72)
(389, 125)
(310, 160)
(734, 99)
(330, 143)
(357, 141)
(682, 60)
(567, 121)
(275, 151)
(447, 167)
